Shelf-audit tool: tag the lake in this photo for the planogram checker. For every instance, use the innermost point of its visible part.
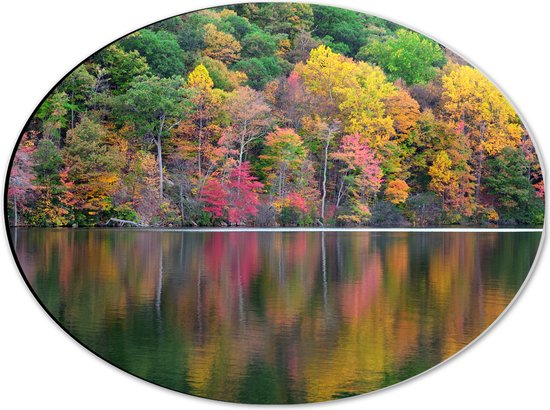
(274, 317)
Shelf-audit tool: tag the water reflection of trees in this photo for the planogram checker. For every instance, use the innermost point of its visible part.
(305, 316)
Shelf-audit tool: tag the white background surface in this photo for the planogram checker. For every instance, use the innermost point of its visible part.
(42, 367)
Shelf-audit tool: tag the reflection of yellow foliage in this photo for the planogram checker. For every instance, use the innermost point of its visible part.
(331, 314)
(201, 367)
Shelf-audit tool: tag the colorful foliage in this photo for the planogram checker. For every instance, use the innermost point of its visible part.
(280, 113)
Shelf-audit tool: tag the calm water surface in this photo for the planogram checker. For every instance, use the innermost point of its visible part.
(274, 317)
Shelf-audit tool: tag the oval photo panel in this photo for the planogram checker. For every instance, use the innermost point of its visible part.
(275, 203)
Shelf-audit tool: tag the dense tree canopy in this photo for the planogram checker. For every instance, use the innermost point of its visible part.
(270, 114)
(160, 49)
(408, 56)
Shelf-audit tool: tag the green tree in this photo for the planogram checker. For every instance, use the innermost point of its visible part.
(508, 181)
(119, 68)
(160, 49)
(237, 26)
(282, 18)
(172, 25)
(79, 87)
(53, 201)
(154, 106)
(191, 35)
(345, 28)
(259, 70)
(93, 169)
(221, 76)
(53, 113)
(258, 43)
(409, 56)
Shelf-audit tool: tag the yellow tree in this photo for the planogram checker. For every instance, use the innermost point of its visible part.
(405, 112)
(478, 110)
(397, 191)
(363, 106)
(363, 111)
(350, 96)
(284, 155)
(325, 76)
(206, 101)
(93, 167)
(441, 174)
(141, 181)
(220, 46)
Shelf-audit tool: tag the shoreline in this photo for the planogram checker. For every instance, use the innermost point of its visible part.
(299, 229)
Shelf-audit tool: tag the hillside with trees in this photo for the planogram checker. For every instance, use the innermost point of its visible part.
(279, 114)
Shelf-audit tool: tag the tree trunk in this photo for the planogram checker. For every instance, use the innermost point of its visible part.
(72, 110)
(123, 222)
(243, 144)
(200, 140)
(161, 176)
(282, 177)
(243, 141)
(324, 269)
(199, 157)
(181, 206)
(478, 176)
(158, 142)
(15, 216)
(325, 179)
(241, 152)
(479, 161)
(340, 192)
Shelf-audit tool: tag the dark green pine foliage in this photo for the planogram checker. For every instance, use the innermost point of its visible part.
(514, 195)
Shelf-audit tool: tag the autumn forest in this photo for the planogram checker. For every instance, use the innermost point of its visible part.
(275, 115)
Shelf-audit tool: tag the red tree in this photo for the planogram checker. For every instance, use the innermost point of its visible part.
(243, 190)
(361, 176)
(237, 199)
(214, 197)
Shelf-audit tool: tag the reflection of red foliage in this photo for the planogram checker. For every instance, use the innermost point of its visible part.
(297, 248)
(213, 252)
(233, 256)
(66, 263)
(357, 297)
(242, 255)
